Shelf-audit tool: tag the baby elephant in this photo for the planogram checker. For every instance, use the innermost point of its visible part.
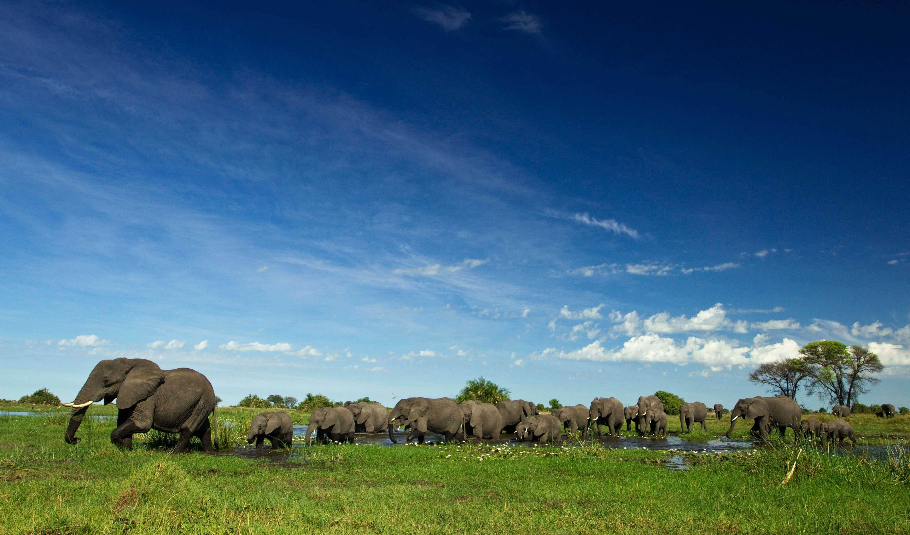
(275, 426)
(656, 422)
(542, 428)
(811, 428)
(837, 431)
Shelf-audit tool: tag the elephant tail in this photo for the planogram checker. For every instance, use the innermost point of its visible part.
(215, 429)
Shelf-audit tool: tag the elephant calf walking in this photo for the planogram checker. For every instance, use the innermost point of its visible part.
(274, 426)
(542, 428)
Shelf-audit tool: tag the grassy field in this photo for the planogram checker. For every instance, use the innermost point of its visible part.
(47, 486)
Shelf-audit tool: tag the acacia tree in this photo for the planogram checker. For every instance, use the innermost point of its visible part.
(782, 377)
(839, 373)
(482, 390)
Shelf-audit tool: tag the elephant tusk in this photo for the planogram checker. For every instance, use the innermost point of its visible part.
(734, 418)
(73, 405)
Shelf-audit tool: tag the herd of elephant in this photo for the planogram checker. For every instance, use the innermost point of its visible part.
(180, 401)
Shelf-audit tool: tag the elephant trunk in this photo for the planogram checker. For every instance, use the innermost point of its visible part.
(80, 405)
(309, 431)
(732, 424)
(391, 427)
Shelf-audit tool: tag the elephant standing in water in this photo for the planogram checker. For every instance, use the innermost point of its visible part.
(631, 415)
(690, 413)
(836, 431)
(514, 411)
(841, 410)
(646, 403)
(784, 412)
(542, 428)
(811, 428)
(888, 410)
(481, 420)
(331, 423)
(718, 410)
(369, 417)
(574, 417)
(171, 401)
(606, 411)
(423, 415)
(656, 422)
(275, 426)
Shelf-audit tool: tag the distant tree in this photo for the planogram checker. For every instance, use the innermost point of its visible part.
(555, 404)
(276, 401)
(41, 397)
(782, 377)
(482, 390)
(290, 402)
(218, 400)
(838, 373)
(541, 407)
(903, 410)
(255, 402)
(671, 402)
(315, 401)
(823, 410)
(365, 399)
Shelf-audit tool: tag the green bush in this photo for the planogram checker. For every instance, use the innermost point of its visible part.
(671, 402)
(255, 402)
(42, 397)
(555, 404)
(541, 407)
(482, 390)
(823, 410)
(903, 410)
(859, 408)
(315, 401)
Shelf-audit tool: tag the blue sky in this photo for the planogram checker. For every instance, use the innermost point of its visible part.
(354, 200)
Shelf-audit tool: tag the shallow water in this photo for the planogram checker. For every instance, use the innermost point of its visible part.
(98, 417)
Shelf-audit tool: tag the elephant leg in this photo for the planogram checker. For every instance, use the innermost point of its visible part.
(704, 426)
(205, 436)
(259, 440)
(183, 445)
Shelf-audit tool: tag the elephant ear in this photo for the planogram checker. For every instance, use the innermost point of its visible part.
(140, 383)
(272, 425)
(754, 410)
(539, 430)
(422, 425)
(362, 417)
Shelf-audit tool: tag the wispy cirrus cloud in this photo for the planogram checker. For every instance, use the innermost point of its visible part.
(161, 344)
(434, 270)
(719, 267)
(610, 225)
(523, 22)
(84, 340)
(447, 17)
(256, 346)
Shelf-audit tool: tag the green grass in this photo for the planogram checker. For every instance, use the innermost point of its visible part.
(47, 486)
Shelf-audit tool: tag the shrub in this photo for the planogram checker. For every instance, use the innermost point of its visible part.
(365, 399)
(42, 397)
(482, 390)
(671, 402)
(903, 410)
(540, 407)
(255, 402)
(859, 408)
(315, 401)
(823, 410)
(555, 404)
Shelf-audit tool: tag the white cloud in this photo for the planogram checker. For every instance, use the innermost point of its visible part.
(331, 357)
(903, 334)
(891, 354)
(588, 328)
(873, 330)
(523, 22)
(772, 325)
(422, 353)
(255, 346)
(712, 319)
(588, 313)
(263, 269)
(649, 269)
(427, 353)
(377, 369)
(434, 270)
(892, 262)
(201, 345)
(600, 269)
(762, 253)
(715, 354)
(308, 351)
(519, 363)
(173, 344)
(833, 330)
(720, 267)
(552, 325)
(630, 323)
(84, 340)
(447, 17)
(367, 359)
(525, 312)
(774, 310)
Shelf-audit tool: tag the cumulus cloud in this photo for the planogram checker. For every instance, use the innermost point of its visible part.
(173, 344)
(256, 346)
(447, 17)
(607, 224)
(368, 359)
(435, 270)
(713, 353)
(587, 328)
(308, 351)
(523, 22)
(891, 354)
(588, 313)
(712, 319)
(422, 353)
(201, 345)
(873, 330)
(84, 340)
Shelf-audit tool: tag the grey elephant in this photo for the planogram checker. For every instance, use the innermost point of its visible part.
(606, 411)
(837, 430)
(841, 411)
(171, 401)
(718, 410)
(514, 411)
(481, 420)
(811, 428)
(543, 428)
(275, 426)
(690, 413)
(631, 415)
(783, 410)
(656, 422)
(334, 424)
(369, 417)
(646, 403)
(427, 415)
(888, 410)
(574, 417)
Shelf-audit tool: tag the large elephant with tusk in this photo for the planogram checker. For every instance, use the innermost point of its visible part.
(780, 411)
(172, 401)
